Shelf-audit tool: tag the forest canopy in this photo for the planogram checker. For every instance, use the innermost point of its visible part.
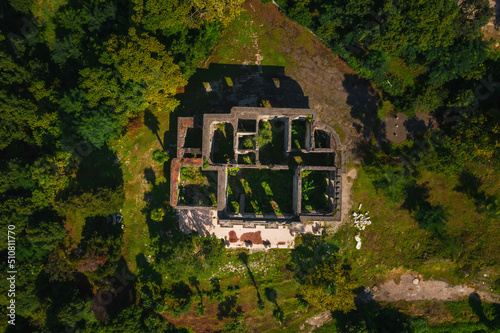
(74, 75)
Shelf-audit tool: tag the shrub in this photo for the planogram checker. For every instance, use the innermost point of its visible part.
(160, 156)
(247, 160)
(213, 199)
(159, 180)
(236, 207)
(265, 134)
(248, 143)
(233, 171)
(157, 214)
(265, 103)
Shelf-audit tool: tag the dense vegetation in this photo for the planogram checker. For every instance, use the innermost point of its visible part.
(74, 74)
(421, 54)
(428, 58)
(78, 75)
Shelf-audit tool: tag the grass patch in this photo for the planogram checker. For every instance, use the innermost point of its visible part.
(273, 151)
(197, 187)
(340, 132)
(246, 159)
(384, 108)
(266, 191)
(222, 145)
(257, 31)
(135, 152)
(314, 185)
(236, 41)
(246, 142)
(386, 245)
(299, 134)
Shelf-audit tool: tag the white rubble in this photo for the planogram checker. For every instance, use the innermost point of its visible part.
(361, 220)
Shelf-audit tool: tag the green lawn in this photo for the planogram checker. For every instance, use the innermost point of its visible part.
(313, 190)
(140, 178)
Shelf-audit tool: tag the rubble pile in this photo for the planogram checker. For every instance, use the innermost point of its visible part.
(361, 220)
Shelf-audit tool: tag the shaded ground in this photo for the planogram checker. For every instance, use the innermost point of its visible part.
(261, 191)
(398, 128)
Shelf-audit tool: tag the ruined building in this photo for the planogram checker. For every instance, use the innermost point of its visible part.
(257, 176)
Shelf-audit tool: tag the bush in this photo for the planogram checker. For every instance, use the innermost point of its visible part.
(157, 214)
(160, 156)
(236, 207)
(265, 134)
(233, 171)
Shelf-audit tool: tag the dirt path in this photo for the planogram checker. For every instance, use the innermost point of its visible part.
(412, 287)
(347, 182)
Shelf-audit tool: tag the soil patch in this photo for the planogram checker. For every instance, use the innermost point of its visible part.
(412, 286)
(253, 237)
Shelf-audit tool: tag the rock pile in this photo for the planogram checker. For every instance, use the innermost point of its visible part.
(361, 220)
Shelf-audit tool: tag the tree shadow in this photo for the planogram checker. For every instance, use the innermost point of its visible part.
(156, 199)
(151, 122)
(243, 256)
(429, 217)
(470, 184)
(272, 297)
(99, 168)
(415, 126)
(364, 101)
(309, 254)
(228, 309)
(147, 271)
(373, 317)
(149, 175)
(195, 283)
(99, 225)
(216, 287)
(220, 87)
(181, 294)
(476, 305)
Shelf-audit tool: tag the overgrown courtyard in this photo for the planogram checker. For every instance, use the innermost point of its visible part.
(264, 191)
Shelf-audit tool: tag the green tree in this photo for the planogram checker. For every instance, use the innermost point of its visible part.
(142, 60)
(23, 95)
(330, 287)
(100, 201)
